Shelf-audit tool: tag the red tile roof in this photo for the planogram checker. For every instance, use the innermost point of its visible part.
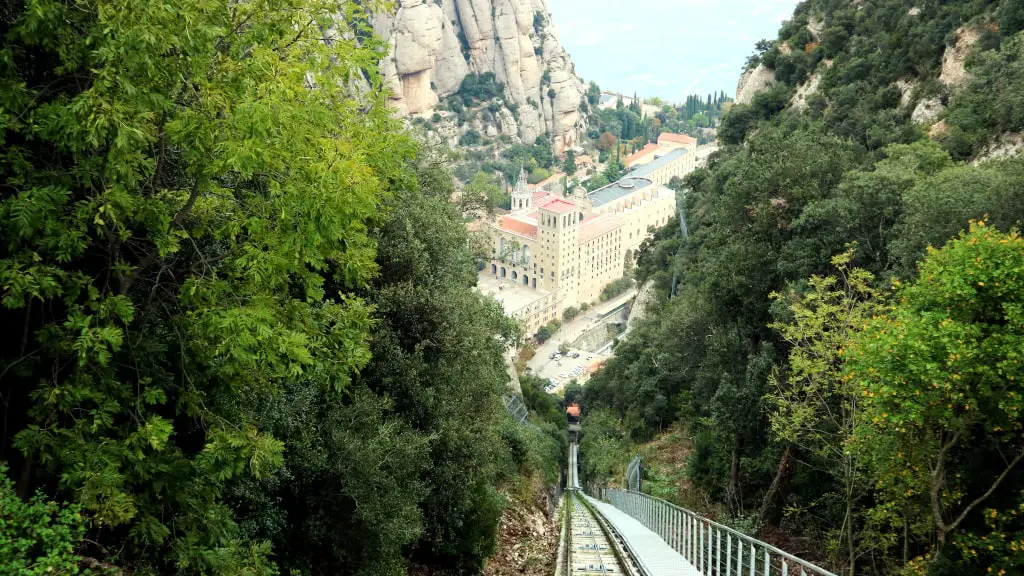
(559, 206)
(640, 153)
(677, 138)
(542, 196)
(518, 227)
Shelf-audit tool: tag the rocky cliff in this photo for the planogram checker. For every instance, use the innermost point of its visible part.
(436, 43)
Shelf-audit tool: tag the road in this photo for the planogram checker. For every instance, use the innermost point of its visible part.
(541, 364)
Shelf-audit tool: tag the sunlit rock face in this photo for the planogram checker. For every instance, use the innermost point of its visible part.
(436, 43)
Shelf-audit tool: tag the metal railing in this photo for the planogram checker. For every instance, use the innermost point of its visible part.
(712, 548)
(516, 408)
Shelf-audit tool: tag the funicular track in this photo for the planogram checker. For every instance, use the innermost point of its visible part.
(591, 550)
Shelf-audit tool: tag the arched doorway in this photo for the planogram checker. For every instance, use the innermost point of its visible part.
(526, 279)
(515, 275)
(494, 268)
(502, 271)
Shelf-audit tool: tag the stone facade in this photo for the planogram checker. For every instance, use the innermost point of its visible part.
(553, 252)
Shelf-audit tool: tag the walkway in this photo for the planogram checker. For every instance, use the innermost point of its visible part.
(656, 557)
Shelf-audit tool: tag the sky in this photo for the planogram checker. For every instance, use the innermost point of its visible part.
(665, 48)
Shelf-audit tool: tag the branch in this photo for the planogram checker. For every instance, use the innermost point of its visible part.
(988, 493)
(150, 258)
(940, 468)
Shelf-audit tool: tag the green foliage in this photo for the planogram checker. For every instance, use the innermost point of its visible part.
(814, 405)
(602, 449)
(163, 205)
(939, 207)
(538, 175)
(991, 102)
(939, 379)
(476, 88)
(570, 313)
(470, 138)
(773, 416)
(616, 288)
(38, 536)
(569, 165)
(596, 182)
(614, 170)
(482, 194)
(736, 124)
(243, 332)
(547, 331)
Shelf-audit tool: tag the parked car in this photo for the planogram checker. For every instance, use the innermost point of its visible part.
(575, 354)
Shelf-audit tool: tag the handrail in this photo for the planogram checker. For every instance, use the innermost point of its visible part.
(699, 539)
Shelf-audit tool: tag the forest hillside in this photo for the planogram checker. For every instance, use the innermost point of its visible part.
(837, 341)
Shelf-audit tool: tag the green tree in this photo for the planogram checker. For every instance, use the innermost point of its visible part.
(814, 407)
(188, 192)
(614, 170)
(482, 194)
(940, 377)
(602, 449)
(569, 166)
(593, 94)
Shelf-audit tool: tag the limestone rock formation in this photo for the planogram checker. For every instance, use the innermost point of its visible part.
(927, 110)
(434, 45)
(753, 81)
(810, 86)
(953, 71)
(1007, 145)
(906, 88)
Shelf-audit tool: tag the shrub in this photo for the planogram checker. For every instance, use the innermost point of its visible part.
(38, 536)
(616, 288)
(548, 330)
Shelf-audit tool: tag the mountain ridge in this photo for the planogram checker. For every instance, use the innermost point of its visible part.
(435, 45)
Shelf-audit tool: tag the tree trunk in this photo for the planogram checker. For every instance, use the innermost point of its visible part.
(732, 493)
(771, 508)
(23, 486)
(849, 533)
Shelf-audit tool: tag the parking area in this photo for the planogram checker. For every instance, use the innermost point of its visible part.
(558, 369)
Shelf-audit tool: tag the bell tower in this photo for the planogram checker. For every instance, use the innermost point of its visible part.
(522, 197)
